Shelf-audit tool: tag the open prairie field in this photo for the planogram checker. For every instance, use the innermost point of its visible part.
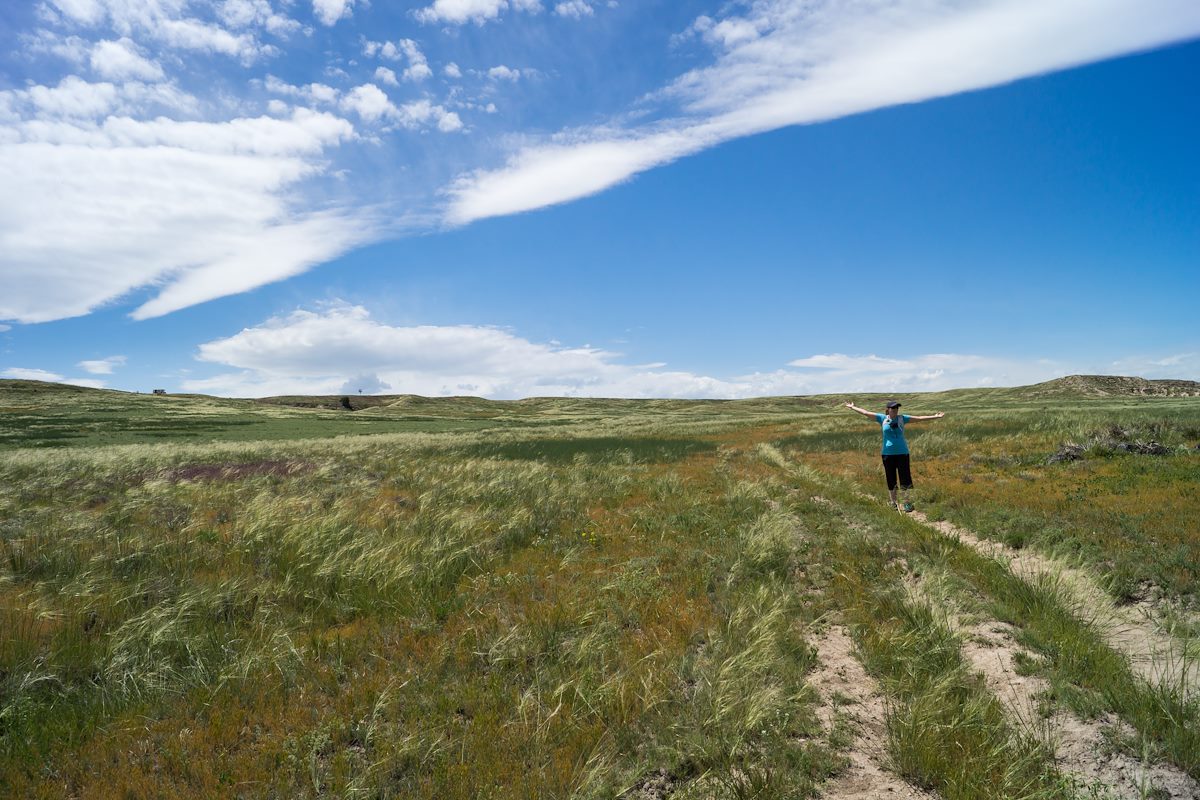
(556, 598)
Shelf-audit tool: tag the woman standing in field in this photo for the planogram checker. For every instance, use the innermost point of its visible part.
(895, 448)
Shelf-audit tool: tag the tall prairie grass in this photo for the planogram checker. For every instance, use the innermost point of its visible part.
(579, 601)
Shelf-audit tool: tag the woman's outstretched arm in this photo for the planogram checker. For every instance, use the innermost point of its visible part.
(862, 411)
(938, 415)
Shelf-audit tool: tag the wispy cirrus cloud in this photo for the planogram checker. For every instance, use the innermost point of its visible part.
(790, 62)
(118, 179)
(127, 173)
(88, 215)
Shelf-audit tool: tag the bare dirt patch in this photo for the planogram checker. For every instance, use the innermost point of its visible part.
(847, 689)
(1087, 750)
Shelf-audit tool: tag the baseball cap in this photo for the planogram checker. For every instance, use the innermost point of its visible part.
(892, 404)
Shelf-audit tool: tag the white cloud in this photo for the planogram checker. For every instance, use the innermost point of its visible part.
(90, 383)
(1179, 366)
(385, 75)
(551, 174)
(575, 9)
(120, 60)
(166, 22)
(24, 374)
(4, 328)
(451, 70)
(459, 12)
(74, 101)
(789, 62)
(73, 97)
(261, 254)
(256, 13)
(94, 210)
(373, 105)
(403, 49)
(311, 93)
(835, 372)
(369, 102)
(341, 349)
(367, 383)
(102, 366)
(448, 121)
(72, 48)
(328, 12)
(504, 73)
(324, 351)
(418, 69)
(88, 12)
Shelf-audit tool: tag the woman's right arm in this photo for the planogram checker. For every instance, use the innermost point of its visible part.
(862, 411)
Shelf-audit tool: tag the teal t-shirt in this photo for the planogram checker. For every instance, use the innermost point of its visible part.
(893, 434)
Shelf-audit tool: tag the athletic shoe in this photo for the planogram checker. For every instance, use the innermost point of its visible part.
(909, 507)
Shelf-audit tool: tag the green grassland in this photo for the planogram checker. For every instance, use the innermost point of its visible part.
(555, 598)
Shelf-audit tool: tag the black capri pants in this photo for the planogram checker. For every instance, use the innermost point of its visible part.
(897, 466)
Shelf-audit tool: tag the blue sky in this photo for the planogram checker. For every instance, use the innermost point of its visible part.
(528, 197)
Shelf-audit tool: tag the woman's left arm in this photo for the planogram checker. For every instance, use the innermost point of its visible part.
(938, 415)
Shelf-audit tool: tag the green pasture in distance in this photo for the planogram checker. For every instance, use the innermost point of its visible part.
(38, 415)
(46, 415)
(34, 414)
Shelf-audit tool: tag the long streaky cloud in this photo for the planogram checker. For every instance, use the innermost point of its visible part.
(794, 62)
(122, 186)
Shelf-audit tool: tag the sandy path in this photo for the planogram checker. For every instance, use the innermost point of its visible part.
(1083, 749)
(1153, 654)
(840, 674)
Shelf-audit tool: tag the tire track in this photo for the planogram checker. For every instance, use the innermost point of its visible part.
(1154, 655)
(1084, 749)
(847, 689)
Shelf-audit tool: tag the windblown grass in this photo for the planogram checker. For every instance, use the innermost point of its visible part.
(581, 599)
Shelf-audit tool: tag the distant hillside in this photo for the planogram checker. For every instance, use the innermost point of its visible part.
(1113, 386)
(329, 401)
(526, 407)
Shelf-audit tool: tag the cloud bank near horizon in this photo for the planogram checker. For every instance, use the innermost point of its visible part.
(125, 175)
(340, 349)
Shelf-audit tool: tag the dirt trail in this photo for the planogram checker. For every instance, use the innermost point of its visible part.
(1153, 654)
(839, 675)
(1083, 749)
